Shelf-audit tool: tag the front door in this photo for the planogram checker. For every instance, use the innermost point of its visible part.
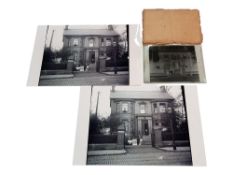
(145, 127)
(91, 60)
(92, 57)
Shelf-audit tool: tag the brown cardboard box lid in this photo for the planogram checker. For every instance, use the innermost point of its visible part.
(173, 26)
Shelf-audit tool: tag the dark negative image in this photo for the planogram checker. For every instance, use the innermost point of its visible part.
(138, 126)
(86, 55)
(173, 64)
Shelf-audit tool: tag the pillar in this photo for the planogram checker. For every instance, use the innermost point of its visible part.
(120, 139)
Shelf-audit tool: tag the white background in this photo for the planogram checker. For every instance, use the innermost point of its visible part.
(38, 124)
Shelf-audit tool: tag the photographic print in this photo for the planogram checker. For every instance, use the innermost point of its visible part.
(138, 126)
(173, 63)
(86, 55)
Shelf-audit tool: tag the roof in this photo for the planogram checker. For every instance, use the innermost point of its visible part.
(141, 95)
(90, 32)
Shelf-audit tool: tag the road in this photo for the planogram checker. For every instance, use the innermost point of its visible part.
(143, 155)
(86, 79)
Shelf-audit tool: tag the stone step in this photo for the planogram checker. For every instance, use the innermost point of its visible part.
(146, 140)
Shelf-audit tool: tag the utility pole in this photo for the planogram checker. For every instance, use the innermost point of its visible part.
(50, 45)
(97, 105)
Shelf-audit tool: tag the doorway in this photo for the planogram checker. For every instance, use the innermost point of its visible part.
(145, 127)
(91, 56)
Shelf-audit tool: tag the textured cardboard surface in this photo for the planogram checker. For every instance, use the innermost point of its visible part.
(173, 26)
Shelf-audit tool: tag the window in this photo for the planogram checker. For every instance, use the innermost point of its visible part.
(124, 107)
(102, 41)
(142, 108)
(114, 42)
(108, 42)
(91, 42)
(69, 43)
(162, 107)
(155, 108)
(75, 42)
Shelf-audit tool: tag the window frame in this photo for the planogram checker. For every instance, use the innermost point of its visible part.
(107, 41)
(75, 42)
(165, 107)
(89, 42)
(156, 109)
(124, 107)
(140, 108)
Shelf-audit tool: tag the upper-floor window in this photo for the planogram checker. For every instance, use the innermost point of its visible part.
(75, 42)
(102, 41)
(114, 42)
(91, 42)
(162, 107)
(142, 108)
(124, 107)
(155, 108)
(108, 42)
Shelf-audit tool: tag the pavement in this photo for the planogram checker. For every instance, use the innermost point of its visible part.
(86, 78)
(56, 76)
(143, 155)
(118, 73)
(106, 152)
(178, 148)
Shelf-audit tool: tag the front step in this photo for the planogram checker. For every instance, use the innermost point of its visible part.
(146, 140)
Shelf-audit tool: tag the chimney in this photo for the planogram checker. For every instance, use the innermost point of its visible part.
(162, 88)
(66, 27)
(110, 27)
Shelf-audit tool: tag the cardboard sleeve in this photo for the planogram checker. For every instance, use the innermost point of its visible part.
(173, 26)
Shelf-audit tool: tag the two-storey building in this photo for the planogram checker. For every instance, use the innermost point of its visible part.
(141, 112)
(91, 47)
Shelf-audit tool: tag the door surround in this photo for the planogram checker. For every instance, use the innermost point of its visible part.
(144, 123)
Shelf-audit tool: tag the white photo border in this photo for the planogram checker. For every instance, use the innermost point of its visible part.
(135, 56)
(194, 124)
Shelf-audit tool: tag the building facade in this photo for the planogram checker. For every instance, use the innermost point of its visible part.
(141, 112)
(90, 48)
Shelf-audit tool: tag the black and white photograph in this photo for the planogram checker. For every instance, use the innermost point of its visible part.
(85, 55)
(173, 63)
(133, 125)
